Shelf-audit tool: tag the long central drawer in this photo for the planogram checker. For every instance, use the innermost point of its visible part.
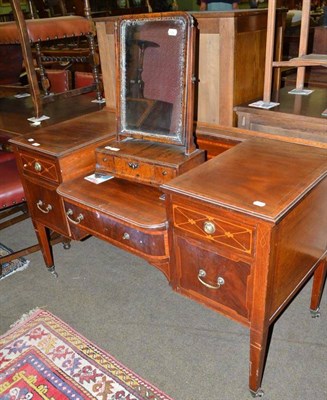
(149, 245)
(129, 215)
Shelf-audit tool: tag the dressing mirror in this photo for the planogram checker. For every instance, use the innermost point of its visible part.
(154, 71)
(154, 55)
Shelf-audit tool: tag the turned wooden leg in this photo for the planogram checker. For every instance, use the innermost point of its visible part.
(259, 343)
(95, 65)
(319, 278)
(43, 75)
(44, 242)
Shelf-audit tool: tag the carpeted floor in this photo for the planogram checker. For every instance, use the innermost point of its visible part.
(13, 266)
(42, 357)
(126, 307)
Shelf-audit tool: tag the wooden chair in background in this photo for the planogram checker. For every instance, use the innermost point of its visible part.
(25, 39)
(13, 206)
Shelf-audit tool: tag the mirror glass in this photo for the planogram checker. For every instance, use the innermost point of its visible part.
(152, 74)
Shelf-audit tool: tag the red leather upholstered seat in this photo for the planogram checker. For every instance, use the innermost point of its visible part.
(13, 205)
(5, 156)
(11, 189)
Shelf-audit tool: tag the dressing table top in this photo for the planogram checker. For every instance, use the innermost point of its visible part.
(68, 136)
(264, 178)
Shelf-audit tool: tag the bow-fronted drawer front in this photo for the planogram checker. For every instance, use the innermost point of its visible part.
(152, 245)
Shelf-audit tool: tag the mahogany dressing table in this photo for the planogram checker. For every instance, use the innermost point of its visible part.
(241, 233)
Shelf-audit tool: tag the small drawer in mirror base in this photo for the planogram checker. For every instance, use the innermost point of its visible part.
(216, 281)
(146, 162)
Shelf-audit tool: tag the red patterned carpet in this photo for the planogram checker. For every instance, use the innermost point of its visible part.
(43, 358)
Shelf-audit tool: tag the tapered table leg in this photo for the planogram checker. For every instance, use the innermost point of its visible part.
(258, 352)
(44, 241)
(319, 279)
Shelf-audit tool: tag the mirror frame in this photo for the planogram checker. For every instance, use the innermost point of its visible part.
(185, 137)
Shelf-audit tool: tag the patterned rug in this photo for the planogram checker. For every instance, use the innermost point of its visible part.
(13, 266)
(41, 357)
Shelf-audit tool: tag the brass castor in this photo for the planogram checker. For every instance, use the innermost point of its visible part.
(258, 393)
(52, 270)
(315, 313)
(66, 245)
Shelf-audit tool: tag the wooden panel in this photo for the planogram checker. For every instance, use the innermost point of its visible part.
(249, 62)
(252, 23)
(107, 51)
(81, 162)
(297, 118)
(209, 78)
(302, 238)
(227, 71)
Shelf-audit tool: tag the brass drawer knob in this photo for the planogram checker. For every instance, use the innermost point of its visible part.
(202, 274)
(209, 227)
(76, 221)
(37, 167)
(126, 236)
(43, 208)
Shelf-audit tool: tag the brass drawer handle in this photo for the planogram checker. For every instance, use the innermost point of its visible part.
(37, 167)
(133, 165)
(40, 205)
(209, 227)
(76, 221)
(202, 274)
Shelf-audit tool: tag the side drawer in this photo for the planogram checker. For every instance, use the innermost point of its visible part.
(46, 206)
(164, 174)
(134, 169)
(209, 278)
(40, 166)
(105, 163)
(152, 245)
(214, 229)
